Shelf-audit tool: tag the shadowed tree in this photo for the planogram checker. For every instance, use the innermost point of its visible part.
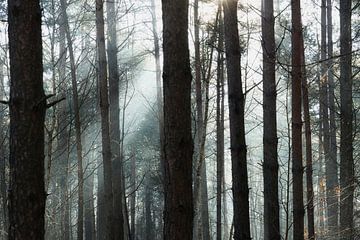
(178, 148)
(27, 115)
(270, 165)
(237, 126)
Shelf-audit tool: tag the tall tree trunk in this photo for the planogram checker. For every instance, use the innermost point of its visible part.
(115, 119)
(309, 162)
(27, 115)
(219, 125)
(198, 224)
(63, 133)
(89, 215)
(148, 218)
(3, 161)
(333, 181)
(297, 167)
(101, 214)
(80, 226)
(347, 178)
(237, 125)
(133, 196)
(105, 121)
(270, 140)
(178, 148)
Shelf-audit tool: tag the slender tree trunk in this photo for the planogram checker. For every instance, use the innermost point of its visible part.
(270, 140)
(105, 121)
(3, 165)
(63, 131)
(101, 214)
(133, 196)
(80, 226)
(321, 175)
(27, 116)
(178, 147)
(309, 162)
(148, 218)
(237, 125)
(115, 119)
(89, 215)
(333, 181)
(219, 125)
(198, 220)
(347, 178)
(297, 167)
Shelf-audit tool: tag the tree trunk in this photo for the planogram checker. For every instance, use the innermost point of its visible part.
(309, 162)
(270, 140)
(237, 125)
(115, 119)
(3, 161)
(347, 180)
(148, 218)
(89, 215)
(178, 148)
(105, 121)
(297, 167)
(219, 125)
(197, 232)
(62, 131)
(133, 196)
(27, 115)
(80, 223)
(333, 181)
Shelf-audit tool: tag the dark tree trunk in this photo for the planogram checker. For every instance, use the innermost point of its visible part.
(297, 167)
(27, 115)
(219, 125)
(270, 140)
(309, 162)
(133, 196)
(105, 121)
(115, 119)
(178, 213)
(237, 126)
(332, 181)
(347, 180)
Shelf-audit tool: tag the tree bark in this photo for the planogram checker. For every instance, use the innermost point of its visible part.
(270, 140)
(308, 144)
(297, 167)
(347, 180)
(105, 121)
(115, 119)
(219, 124)
(178, 213)
(133, 196)
(27, 115)
(332, 181)
(63, 132)
(197, 232)
(237, 125)
(3, 160)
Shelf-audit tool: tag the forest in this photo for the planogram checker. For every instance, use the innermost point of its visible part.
(179, 119)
